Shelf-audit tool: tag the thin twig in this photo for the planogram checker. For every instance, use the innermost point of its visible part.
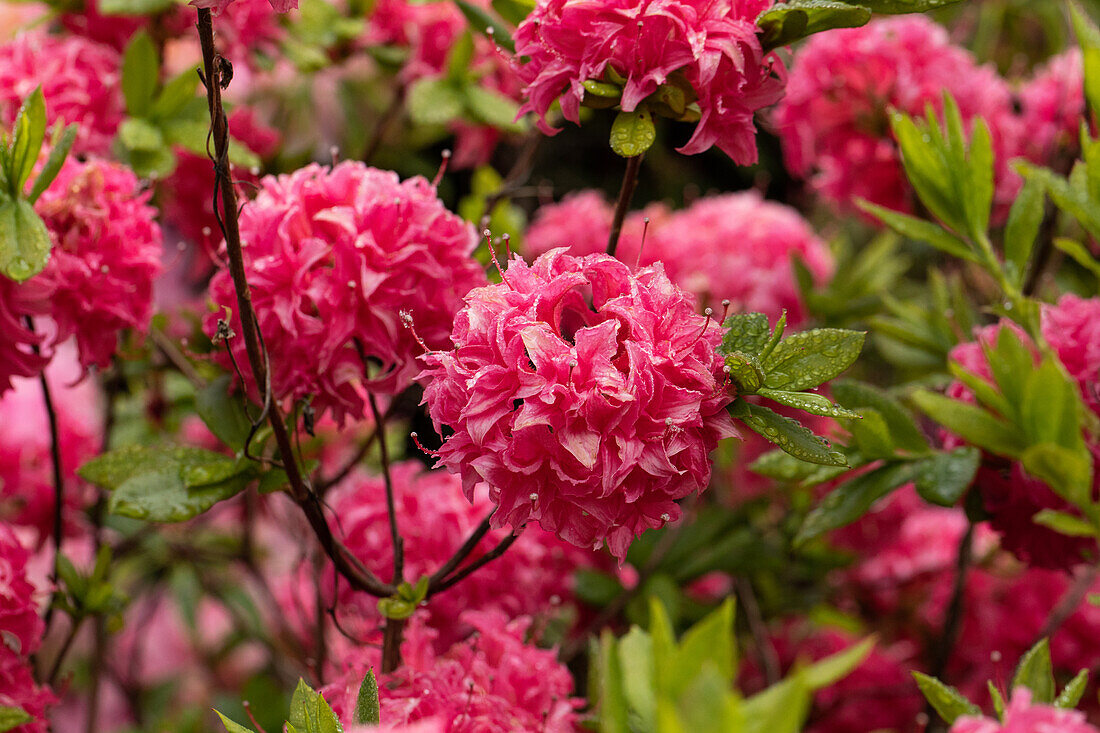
(356, 574)
(51, 677)
(481, 562)
(176, 357)
(392, 112)
(953, 619)
(769, 660)
(461, 554)
(626, 193)
(517, 175)
(387, 479)
(1068, 603)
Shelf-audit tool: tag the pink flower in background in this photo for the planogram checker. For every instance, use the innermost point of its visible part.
(26, 466)
(1021, 716)
(219, 6)
(493, 682)
(530, 579)
(712, 46)
(588, 397)
(80, 81)
(581, 222)
(20, 635)
(1072, 328)
(834, 125)
(107, 251)
(18, 357)
(738, 246)
(334, 257)
(1053, 103)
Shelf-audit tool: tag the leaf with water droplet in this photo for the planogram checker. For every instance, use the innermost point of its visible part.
(745, 372)
(814, 404)
(745, 332)
(850, 500)
(633, 133)
(788, 434)
(24, 240)
(808, 359)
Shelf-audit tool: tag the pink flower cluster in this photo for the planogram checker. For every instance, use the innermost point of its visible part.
(735, 246)
(1021, 716)
(1053, 102)
(107, 250)
(26, 469)
(492, 682)
(528, 580)
(588, 397)
(334, 258)
(20, 635)
(80, 81)
(834, 124)
(712, 46)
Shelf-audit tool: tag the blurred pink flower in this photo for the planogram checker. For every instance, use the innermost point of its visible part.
(334, 257)
(1053, 103)
(219, 6)
(834, 121)
(80, 81)
(1021, 716)
(712, 46)
(18, 357)
(588, 397)
(493, 682)
(530, 579)
(581, 222)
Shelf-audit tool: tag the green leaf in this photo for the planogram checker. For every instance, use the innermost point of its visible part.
(943, 478)
(24, 240)
(872, 436)
(788, 434)
(1024, 220)
(1068, 197)
(435, 101)
(484, 23)
(140, 135)
(978, 189)
(1068, 472)
(1080, 254)
(946, 700)
(29, 131)
(163, 496)
(850, 500)
(782, 466)
(607, 681)
(110, 470)
(897, 7)
(971, 423)
(1067, 524)
(1035, 673)
(223, 413)
(745, 371)
(1073, 691)
(920, 230)
(175, 95)
(782, 708)
(709, 642)
(1088, 36)
(985, 393)
(60, 143)
(396, 608)
(140, 74)
(11, 717)
(231, 726)
(310, 713)
(493, 109)
(814, 404)
(633, 133)
(810, 358)
(784, 24)
(458, 58)
(367, 709)
(903, 430)
(513, 11)
(746, 333)
(635, 652)
(996, 698)
(134, 7)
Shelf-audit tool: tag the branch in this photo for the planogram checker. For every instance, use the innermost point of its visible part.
(626, 193)
(481, 562)
(461, 554)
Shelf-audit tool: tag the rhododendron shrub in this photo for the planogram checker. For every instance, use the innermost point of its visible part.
(335, 258)
(616, 365)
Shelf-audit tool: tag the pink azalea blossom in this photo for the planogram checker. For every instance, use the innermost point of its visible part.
(26, 466)
(1053, 103)
(581, 222)
(80, 81)
(712, 46)
(20, 636)
(1021, 716)
(834, 124)
(106, 253)
(334, 258)
(530, 579)
(588, 397)
(18, 343)
(1072, 328)
(492, 682)
(219, 6)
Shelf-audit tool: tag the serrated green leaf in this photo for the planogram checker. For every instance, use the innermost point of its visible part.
(1035, 672)
(223, 413)
(1024, 220)
(946, 700)
(788, 434)
(920, 230)
(633, 133)
(971, 423)
(943, 478)
(784, 24)
(903, 430)
(810, 358)
(745, 371)
(61, 143)
(12, 717)
(435, 101)
(140, 74)
(24, 240)
(746, 333)
(850, 500)
(814, 404)
(1073, 691)
(367, 708)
